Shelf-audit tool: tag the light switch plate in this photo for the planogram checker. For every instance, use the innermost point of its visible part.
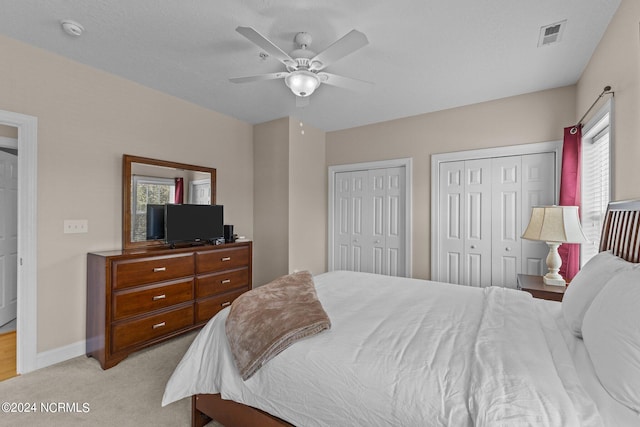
(72, 226)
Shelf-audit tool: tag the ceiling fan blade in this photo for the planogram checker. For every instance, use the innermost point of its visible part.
(345, 82)
(258, 78)
(266, 45)
(349, 43)
(302, 101)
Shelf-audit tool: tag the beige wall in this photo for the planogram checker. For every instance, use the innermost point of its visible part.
(8, 131)
(290, 209)
(271, 200)
(308, 198)
(86, 120)
(616, 62)
(535, 117)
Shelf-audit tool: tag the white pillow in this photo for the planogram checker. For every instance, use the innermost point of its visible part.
(611, 333)
(586, 284)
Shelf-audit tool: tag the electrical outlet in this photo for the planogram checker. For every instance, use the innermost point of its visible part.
(72, 226)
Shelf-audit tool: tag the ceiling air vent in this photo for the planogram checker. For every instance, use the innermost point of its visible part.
(551, 34)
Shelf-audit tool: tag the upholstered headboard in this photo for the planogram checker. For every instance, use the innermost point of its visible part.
(621, 230)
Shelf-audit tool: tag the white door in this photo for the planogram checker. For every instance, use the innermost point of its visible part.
(465, 222)
(348, 220)
(8, 236)
(538, 185)
(386, 204)
(477, 252)
(506, 217)
(200, 192)
(484, 206)
(451, 223)
(369, 221)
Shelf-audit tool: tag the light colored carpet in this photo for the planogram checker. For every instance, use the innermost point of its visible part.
(129, 394)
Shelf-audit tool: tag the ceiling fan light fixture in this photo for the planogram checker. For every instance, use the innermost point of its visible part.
(302, 83)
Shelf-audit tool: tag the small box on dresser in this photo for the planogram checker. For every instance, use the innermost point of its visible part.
(140, 298)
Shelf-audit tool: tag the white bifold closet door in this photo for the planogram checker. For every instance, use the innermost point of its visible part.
(369, 221)
(484, 206)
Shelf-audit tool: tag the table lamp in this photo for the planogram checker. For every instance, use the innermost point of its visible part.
(554, 225)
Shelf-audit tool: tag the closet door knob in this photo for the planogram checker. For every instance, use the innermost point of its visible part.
(473, 246)
(508, 249)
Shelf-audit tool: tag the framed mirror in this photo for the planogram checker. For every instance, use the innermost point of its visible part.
(148, 184)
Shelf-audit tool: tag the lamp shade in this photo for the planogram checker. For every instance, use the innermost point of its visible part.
(302, 82)
(555, 224)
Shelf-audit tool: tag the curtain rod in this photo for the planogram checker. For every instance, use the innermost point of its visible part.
(605, 91)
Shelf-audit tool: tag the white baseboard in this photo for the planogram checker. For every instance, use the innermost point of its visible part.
(60, 354)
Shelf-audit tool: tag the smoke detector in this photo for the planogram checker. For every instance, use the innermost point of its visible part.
(72, 28)
(551, 34)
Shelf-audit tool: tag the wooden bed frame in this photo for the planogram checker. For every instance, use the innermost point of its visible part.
(620, 235)
(621, 230)
(208, 407)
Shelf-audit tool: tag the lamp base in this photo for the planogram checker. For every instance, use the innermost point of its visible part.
(554, 281)
(553, 263)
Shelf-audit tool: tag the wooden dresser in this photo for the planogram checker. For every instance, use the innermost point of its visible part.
(139, 298)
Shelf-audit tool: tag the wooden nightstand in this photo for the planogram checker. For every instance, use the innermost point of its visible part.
(535, 286)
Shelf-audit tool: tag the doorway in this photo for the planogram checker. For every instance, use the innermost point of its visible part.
(370, 217)
(8, 249)
(26, 258)
(8, 227)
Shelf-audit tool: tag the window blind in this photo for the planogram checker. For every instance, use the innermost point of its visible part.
(595, 186)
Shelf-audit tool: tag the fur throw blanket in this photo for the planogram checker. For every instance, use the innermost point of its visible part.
(266, 320)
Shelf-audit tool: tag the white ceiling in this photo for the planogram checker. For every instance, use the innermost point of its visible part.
(423, 55)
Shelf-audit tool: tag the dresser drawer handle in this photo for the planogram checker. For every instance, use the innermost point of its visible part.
(226, 304)
(227, 258)
(158, 297)
(225, 281)
(158, 325)
(159, 269)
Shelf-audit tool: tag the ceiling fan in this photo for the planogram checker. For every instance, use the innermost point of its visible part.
(304, 67)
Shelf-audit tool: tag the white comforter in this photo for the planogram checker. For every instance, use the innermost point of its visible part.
(404, 352)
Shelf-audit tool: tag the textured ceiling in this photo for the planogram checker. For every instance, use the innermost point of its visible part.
(422, 56)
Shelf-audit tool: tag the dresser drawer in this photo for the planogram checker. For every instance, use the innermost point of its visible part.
(207, 308)
(215, 283)
(133, 301)
(222, 259)
(140, 271)
(127, 334)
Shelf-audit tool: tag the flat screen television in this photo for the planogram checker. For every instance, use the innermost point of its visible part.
(193, 223)
(155, 222)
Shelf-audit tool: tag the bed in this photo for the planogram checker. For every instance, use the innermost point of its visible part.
(414, 352)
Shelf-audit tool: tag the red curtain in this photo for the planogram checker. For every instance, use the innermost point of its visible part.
(179, 194)
(570, 194)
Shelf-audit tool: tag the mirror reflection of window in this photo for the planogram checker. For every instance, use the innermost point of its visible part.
(148, 190)
(154, 182)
